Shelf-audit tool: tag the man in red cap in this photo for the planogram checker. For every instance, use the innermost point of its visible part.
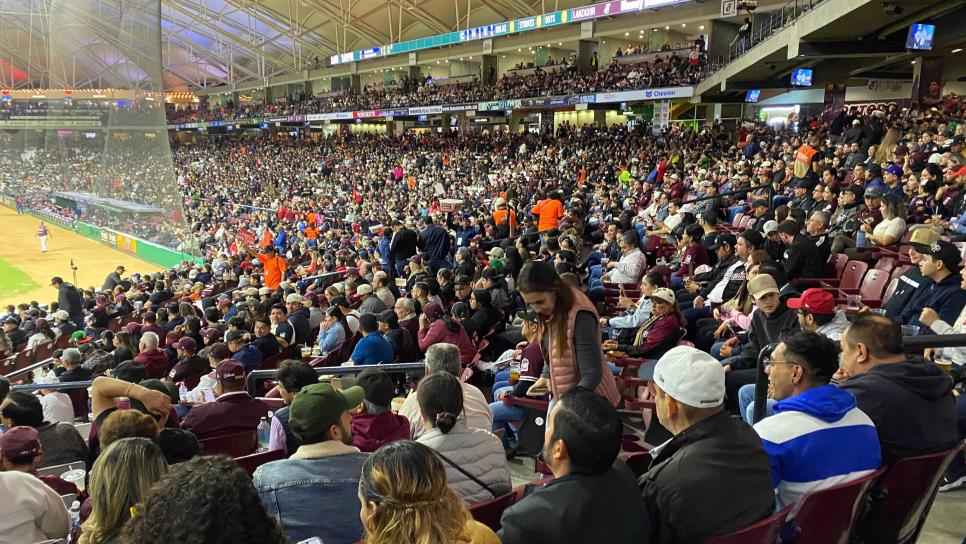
(20, 451)
(233, 411)
(816, 312)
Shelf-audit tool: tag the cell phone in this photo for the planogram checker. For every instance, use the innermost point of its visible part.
(311, 540)
(208, 394)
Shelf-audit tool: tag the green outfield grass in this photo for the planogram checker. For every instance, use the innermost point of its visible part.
(13, 280)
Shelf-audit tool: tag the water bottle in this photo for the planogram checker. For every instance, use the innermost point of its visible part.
(860, 238)
(74, 513)
(264, 433)
(182, 391)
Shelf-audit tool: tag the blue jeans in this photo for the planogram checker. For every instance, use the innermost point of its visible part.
(503, 415)
(733, 212)
(677, 283)
(716, 350)
(501, 380)
(746, 403)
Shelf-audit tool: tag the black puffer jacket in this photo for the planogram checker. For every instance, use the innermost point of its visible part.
(765, 330)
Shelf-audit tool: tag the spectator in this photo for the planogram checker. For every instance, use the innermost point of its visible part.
(323, 470)
(802, 258)
(708, 445)
(659, 333)
(122, 476)
(127, 424)
(593, 496)
(61, 441)
(68, 300)
(817, 313)
(20, 451)
(292, 376)
(242, 351)
(374, 424)
(233, 411)
(475, 413)
(909, 399)
(74, 371)
(476, 466)
(572, 340)
(298, 317)
(817, 438)
(333, 331)
(940, 263)
(406, 500)
(436, 327)
(266, 342)
(369, 303)
(32, 511)
(912, 284)
(190, 367)
(771, 320)
(212, 500)
(57, 406)
(281, 327)
(372, 348)
(154, 360)
(403, 345)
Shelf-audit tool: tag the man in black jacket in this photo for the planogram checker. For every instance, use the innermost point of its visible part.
(801, 258)
(909, 399)
(713, 477)
(912, 279)
(772, 321)
(402, 247)
(593, 497)
(69, 300)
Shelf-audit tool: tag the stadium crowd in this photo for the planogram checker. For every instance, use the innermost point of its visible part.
(691, 252)
(553, 80)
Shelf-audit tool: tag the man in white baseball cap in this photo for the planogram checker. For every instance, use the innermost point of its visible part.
(695, 476)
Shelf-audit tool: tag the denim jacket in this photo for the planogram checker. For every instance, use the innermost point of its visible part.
(315, 492)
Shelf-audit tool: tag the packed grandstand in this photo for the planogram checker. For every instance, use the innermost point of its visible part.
(741, 331)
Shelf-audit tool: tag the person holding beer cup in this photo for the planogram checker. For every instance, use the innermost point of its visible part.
(526, 364)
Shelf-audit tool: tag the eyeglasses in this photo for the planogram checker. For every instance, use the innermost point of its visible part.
(770, 361)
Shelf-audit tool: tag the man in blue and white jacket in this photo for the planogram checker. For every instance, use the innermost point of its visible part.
(818, 437)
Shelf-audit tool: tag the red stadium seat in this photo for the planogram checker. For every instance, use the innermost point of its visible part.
(489, 512)
(255, 460)
(762, 532)
(232, 445)
(901, 499)
(872, 286)
(851, 278)
(828, 516)
(885, 263)
(890, 289)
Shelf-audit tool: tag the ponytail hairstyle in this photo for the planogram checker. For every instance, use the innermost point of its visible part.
(406, 499)
(440, 398)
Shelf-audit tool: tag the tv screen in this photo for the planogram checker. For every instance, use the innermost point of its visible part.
(752, 95)
(423, 118)
(920, 37)
(802, 77)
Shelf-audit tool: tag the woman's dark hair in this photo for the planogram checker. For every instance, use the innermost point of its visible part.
(440, 398)
(775, 270)
(656, 279)
(538, 276)
(483, 298)
(460, 311)
(207, 500)
(193, 325)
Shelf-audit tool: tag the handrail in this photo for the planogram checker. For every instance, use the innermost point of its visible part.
(258, 375)
(29, 368)
(771, 23)
(65, 386)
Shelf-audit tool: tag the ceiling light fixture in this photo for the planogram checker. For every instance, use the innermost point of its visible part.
(957, 50)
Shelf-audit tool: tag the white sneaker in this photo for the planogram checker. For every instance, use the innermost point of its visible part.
(952, 485)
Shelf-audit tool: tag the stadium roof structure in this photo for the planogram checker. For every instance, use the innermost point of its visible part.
(216, 42)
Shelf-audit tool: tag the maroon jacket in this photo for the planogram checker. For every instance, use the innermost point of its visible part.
(369, 432)
(412, 325)
(695, 255)
(155, 362)
(156, 329)
(230, 413)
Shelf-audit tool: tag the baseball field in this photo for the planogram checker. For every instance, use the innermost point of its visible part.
(25, 271)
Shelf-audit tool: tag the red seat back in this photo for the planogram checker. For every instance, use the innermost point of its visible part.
(853, 274)
(489, 512)
(885, 263)
(736, 222)
(872, 285)
(891, 288)
(903, 496)
(232, 445)
(743, 224)
(255, 460)
(761, 532)
(78, 399)
(828, 516)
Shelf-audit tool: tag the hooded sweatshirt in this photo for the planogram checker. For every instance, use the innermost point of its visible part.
(369, 431)
(815, 440)
(911, 404)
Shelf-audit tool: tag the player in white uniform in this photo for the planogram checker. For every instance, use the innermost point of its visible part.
(43, 234)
